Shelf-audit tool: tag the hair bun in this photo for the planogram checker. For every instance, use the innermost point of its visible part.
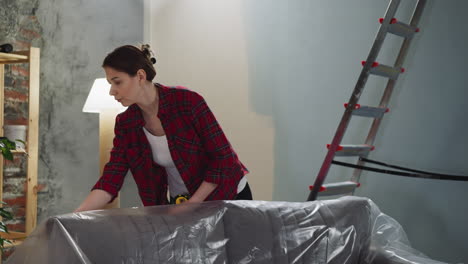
(146, 49)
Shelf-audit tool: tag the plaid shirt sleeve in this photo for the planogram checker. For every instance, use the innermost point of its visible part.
(115, 170)
(222, 158)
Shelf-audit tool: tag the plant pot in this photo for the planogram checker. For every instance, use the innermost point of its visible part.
(14, 132)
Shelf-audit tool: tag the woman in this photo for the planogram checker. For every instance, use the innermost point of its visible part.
(168, 138)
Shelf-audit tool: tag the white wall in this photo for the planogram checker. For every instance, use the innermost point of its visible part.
(276, 73)
(201, 45)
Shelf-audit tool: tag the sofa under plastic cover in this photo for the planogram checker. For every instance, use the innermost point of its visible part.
(345, 230)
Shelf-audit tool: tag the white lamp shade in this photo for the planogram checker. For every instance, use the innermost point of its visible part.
(99, 99)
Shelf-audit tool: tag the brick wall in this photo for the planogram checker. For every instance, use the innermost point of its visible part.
(23, 31)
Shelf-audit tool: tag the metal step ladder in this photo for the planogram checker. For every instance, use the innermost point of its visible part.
(391, 25)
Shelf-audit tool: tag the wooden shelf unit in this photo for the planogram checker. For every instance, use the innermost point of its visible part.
(7, 58)
(31, 57)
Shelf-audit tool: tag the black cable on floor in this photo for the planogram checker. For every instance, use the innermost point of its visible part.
(406, 174)
(406, 169)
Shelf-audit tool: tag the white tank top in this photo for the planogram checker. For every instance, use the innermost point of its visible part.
(162, 156)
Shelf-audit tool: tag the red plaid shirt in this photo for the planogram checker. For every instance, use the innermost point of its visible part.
(198, 146)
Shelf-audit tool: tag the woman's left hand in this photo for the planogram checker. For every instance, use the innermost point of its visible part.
(183, 208)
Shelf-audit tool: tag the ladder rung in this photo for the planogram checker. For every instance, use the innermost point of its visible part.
(369, 111)
(337, 188)
(384, 70)
(401, 29)
(352, 150)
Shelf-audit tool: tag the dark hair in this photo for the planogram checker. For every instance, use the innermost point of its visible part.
(130, 59)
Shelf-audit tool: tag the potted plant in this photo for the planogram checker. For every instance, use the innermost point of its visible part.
(6, 146)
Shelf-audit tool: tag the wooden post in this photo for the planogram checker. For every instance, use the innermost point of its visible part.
(2, 97)
(32, 140)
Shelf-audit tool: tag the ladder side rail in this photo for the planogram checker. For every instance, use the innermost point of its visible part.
(390, 86)
(378, 42)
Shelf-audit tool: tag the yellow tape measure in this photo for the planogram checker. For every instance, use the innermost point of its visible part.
(181, 198)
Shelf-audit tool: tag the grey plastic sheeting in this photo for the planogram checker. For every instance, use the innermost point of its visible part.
(345, 230)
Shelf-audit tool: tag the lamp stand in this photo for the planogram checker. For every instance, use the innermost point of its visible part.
(106, 136)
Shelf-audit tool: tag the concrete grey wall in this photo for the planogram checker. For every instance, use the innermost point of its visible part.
(304, 62)
(76, 37)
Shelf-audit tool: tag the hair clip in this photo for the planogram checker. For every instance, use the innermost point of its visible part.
(153, 60)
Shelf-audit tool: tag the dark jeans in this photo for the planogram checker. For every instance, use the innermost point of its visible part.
(245, 194)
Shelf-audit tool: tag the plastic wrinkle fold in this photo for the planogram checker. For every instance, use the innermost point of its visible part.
(345, 230)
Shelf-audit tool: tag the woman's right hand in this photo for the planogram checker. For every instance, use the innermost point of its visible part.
(97, 199)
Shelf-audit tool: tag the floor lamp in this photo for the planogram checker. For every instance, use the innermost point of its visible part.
(99, 101)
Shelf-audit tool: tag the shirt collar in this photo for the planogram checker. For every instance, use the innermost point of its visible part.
(164, 93)
(132, 117)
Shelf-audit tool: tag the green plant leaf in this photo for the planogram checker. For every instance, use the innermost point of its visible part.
(2, 244)
(7, 143)
(6, 147)
(21, 141)
(7, 154)
(3, 228)
(5, 214)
